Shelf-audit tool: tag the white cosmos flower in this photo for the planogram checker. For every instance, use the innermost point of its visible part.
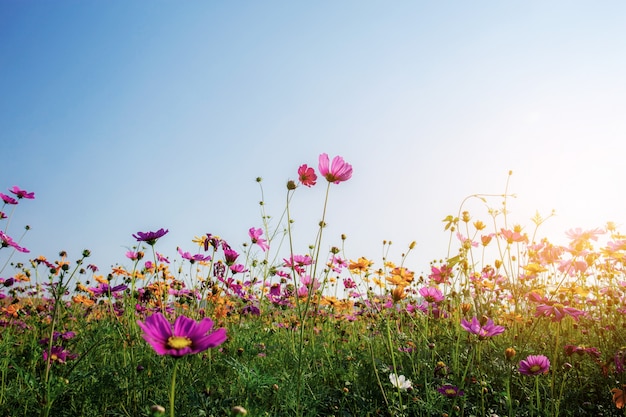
(400, 382)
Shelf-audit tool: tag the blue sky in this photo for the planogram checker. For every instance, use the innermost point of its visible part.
(126, 116)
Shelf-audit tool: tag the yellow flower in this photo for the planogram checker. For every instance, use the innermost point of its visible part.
(360, 266)
(401, 276)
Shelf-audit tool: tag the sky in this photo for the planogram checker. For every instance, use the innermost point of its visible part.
(127, 116)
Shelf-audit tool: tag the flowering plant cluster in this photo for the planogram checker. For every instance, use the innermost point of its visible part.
(505, 317)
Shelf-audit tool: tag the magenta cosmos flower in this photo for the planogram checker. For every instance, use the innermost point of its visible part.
(489, 329)
(7, 199)
(534, 365)
(336, 172)
(185, 337)
(21, 193)
(557, 311)
(255, 236)
(150, 237)
(306, 175)
(450, 391)
(431, 294)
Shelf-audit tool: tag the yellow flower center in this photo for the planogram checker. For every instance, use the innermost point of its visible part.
(450, 391)
(177, 342)
(53, 357)
(535, 368)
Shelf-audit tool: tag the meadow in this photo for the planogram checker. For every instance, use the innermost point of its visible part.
(503, 325)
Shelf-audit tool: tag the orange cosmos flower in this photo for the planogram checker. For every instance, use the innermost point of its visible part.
(618, 397)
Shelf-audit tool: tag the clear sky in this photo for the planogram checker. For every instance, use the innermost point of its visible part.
(126, 116)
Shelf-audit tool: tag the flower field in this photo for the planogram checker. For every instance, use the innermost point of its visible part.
(503, 325)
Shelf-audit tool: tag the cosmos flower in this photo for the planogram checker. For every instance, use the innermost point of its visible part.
(193, 258)
(21, 193)
(489, 329)
(255, 236)
(338, 171)
(557, 311)
(431, 294)
(306, 175)
(450, 391)
(150, 237)
(534, 365)
(7, 199)
(6, 241)
(184, 337)
(58, 354)
(400, 382)
(440, 275)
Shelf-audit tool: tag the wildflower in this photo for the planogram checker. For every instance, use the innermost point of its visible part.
(514, 235)
(581, 350)
(6, 241)
(58, 354)
(306, 175)
(360, 266)
(21, 193)
(337, 172)
(619, 398)
(7, 199)
(150, 237)
(185, 337)
(255, 236)
(193, 258)
(440, 275)
(482, 330)
(401, 276)
(450, 391)
(400, 382)
(558, 311)
(534, 365)
(509, 352)
(134, 256)
(431, 294)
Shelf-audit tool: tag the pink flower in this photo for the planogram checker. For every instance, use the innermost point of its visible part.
(338, 171)
(193, 258)
(7, 199)
(440, 275)
(185, 337)
(21, 193)
(306, 175)
(6, 241)
(489, 329)
(534, 365)
(255, 236)
(431, 294)
(558, 311)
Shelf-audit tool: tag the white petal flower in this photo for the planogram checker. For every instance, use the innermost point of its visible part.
(400, 382)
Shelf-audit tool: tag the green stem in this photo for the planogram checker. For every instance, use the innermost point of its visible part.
(173, 389)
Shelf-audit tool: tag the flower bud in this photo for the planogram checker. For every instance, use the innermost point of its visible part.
(291, 185)
(509, 353)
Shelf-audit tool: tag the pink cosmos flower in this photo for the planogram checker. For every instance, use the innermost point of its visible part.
(255, 236)
(6, 241)
(489, 329)
(306, 175)
(337, 172)
(184, 337)
(557, 311)
(431, 294)
(21, 193)
(193, 258)
(513, 236)
(7, 199)
(440, 275)
(534, 365)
